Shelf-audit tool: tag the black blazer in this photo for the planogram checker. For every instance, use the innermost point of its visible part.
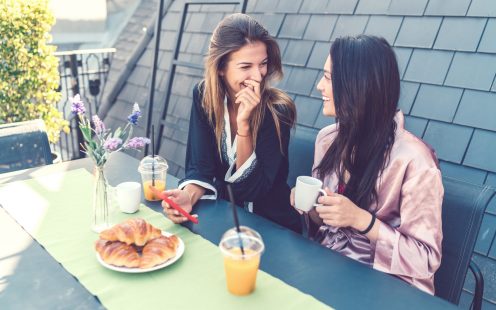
(264, 183)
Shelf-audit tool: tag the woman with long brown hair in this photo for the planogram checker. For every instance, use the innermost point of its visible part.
(239, 126)
(384, 185)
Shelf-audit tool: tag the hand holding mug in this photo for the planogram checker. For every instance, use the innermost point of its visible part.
(306, 192)
(339, 211)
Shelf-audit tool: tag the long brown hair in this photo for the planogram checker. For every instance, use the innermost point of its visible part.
(366, 90)
(230, 35)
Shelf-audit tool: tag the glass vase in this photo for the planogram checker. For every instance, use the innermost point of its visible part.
(101, 201)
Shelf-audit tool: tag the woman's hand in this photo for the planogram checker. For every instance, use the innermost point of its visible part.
(248, 98)
(338, 211)
(181, 198)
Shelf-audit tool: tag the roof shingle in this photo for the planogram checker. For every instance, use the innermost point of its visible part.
(319, 55)
(418, 31)
(292, 6)
(295, 81)
(415, 125)
(320, 27)
(271, 22)
(403, 58)
(408, 92)
(407, 7)
(481, 151)
(474, 71)
(460, 33)
(428, 66)
(372, 7)
(477, 109)
(315, 6)
(447, 8)
(488, 41)
(341, 6)
(437, 102)
(450, 141)
(384, 26)
(294, 26)
(482, 8)
(297, 52)
(460, 172)
(307, 109)
(349, 25)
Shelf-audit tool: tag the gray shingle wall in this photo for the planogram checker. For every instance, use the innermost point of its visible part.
(418, 31)
(482, 8)
(446, 52)
(488, 43)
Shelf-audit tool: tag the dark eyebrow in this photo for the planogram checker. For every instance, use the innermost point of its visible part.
(327, 71)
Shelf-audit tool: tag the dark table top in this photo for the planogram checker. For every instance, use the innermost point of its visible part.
(328, 276)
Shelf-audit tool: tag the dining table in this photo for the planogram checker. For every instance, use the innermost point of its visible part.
(39, 269)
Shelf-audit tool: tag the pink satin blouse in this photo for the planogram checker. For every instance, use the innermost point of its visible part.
(410, 194)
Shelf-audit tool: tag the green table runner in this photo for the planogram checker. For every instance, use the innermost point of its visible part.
(56, 211)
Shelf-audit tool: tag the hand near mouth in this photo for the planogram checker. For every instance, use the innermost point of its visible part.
(248, 98)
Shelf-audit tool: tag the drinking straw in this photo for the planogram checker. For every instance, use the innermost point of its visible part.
(160, 195)
(153, 155)
(236, 220)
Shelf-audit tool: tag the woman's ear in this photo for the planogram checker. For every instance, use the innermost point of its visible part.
(221, 73)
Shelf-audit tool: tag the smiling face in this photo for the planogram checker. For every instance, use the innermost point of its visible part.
(325, 87)
(247, 63)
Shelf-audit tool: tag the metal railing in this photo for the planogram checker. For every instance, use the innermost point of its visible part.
(82, 72)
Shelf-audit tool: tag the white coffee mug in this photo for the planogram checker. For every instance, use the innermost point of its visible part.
(128, 195)
(306, 193)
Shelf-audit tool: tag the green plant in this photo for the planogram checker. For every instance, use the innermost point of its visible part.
(28, 69)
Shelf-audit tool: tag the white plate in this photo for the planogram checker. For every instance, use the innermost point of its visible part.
(179, 253)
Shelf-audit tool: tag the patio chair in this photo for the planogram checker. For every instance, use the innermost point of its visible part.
(24, 145)
(301, 150)
(463, 208)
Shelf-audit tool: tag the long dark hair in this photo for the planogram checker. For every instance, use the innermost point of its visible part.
(230, 35)
(366, 89)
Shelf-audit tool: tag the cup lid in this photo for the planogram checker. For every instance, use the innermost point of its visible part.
(251, 240)
(152, 163)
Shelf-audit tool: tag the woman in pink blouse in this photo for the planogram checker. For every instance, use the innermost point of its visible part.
(384, 186)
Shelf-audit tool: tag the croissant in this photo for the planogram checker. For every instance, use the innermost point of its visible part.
(159, 250)
(118, 253)
(133, 231)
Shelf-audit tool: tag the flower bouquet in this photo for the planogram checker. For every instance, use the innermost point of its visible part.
(99, 143)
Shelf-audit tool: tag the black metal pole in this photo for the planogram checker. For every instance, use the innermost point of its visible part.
(243, 7)
(75, 90)
(151, 95)
(172, 72)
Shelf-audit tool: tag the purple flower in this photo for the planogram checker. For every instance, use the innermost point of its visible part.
(136, 143)
(112, 144)
(133, 117)
(77, 105)
(99, 125)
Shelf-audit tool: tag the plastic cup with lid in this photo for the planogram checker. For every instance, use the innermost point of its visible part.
(153, 170)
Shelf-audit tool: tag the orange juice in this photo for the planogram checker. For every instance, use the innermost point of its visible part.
(241, 274)
(149, 195)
